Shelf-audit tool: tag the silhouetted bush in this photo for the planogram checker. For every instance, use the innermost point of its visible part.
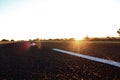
(118, 32)
(12, 40)
(5, 40)
(72, 39)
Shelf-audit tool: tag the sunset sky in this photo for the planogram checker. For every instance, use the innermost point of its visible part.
(28, 19)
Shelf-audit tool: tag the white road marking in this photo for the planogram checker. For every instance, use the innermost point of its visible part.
(110, 62)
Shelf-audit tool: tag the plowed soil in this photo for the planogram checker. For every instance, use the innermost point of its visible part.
(33, 63)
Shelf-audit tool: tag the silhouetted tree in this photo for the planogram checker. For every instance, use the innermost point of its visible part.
(72, 39)
(86, 38)
(50, 39)
(4, 40)
(30, 40)
(118, 31)
(12, 40)
(37, 39)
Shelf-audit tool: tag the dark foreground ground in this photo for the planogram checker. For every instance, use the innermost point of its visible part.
(35, 63)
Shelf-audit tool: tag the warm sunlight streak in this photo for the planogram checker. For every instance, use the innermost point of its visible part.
(76, 45)
(79, 38)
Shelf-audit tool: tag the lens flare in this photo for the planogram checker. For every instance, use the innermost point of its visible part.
(22, 47)
(33, 44)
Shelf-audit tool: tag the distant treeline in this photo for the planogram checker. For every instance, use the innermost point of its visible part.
(103, 39)
(70, 39)
(6, 40)
(59, 39)
(85, 39)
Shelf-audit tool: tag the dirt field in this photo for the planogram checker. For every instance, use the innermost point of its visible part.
(19, 61)
(103, 49)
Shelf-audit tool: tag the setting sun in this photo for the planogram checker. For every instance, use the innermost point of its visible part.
(80, 37)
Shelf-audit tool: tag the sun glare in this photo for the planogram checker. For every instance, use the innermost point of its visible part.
(79, 37)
